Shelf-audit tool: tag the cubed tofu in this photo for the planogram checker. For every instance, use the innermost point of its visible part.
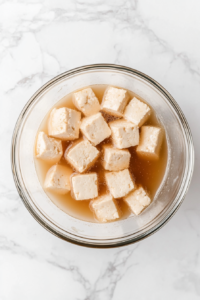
(95, 128)
(84, 186)
(48, 149)
(64, 123)
(124, 134)
(115, 159)
(150, 142)
(58, 179)
(86, 102)
(137, 200)
(82, 155)
(105, 208)
(114, 101)
(119, 183)
(137, 112)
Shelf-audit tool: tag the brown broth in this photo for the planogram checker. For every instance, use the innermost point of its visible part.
(148, 173)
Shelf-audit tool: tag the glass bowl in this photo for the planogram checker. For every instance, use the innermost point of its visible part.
(171, 191)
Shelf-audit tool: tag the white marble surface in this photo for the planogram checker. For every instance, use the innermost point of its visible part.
(40, 39)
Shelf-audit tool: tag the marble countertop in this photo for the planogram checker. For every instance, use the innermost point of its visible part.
(40, 39)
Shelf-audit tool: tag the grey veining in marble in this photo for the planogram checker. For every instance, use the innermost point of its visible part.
(40, 39)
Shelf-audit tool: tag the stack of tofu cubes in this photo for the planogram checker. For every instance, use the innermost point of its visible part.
(64, 124)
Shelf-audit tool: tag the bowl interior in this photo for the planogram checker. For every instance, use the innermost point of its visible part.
(171, 190)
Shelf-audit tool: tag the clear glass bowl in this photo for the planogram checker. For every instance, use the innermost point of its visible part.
(171, 191)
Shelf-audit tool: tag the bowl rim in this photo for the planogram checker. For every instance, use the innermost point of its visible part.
(112, 67)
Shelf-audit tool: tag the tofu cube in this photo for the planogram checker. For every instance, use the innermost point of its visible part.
(137, 112)
(119, 183)
(114, 101)
(48, 149)
(64, 123)
(82, 155)
(115, 159)
(58, 179)
(105, 208)
(137, 200)
(95, 128)
(84, 186)
(150, 142)
(124, 134)
(86, 102)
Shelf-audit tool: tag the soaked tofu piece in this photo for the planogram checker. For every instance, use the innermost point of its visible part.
(87, 102)
(48, 149)
(137, 112)
(119, 183)
(124, 134)
(84, 186)
(105, 208)
(150, 142)
(95, 128)
(115, 159)
(82, 155)
(64, 123)
(137, 200)
(114, 101)
(58, 179)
